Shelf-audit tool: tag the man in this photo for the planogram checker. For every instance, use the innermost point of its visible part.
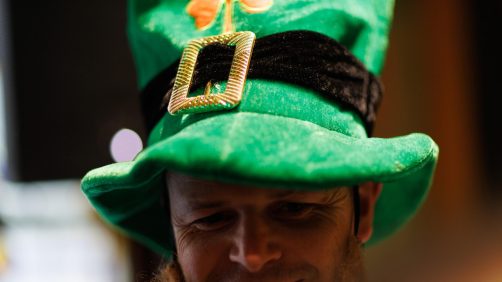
(259, 165)
(236, 233)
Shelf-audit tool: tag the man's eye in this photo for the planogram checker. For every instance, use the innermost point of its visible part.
(214, 221)
(292, 210)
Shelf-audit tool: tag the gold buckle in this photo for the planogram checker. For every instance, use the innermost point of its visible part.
(180, 103)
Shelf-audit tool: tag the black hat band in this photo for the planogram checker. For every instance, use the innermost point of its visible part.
(304, 58)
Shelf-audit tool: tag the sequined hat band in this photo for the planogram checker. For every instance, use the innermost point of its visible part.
(304, 58)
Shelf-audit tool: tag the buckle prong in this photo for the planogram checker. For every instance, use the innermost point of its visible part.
(207, 90)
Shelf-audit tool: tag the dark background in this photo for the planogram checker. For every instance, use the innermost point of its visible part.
(486, 73)
(70, 85)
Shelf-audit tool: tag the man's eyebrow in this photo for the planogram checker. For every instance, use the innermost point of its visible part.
(200, 205)
(334, 193)
(284, 194)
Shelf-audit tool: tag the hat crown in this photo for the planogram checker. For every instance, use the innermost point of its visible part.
(159, 31)
(266, 97)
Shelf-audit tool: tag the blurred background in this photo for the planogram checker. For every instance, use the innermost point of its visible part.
(68, 103)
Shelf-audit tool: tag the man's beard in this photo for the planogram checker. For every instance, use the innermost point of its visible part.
(350, 270)
(352, 267)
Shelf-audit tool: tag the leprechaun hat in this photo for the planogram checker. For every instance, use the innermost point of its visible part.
(293, 108)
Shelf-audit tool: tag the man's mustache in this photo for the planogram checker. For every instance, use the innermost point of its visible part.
(274, 273)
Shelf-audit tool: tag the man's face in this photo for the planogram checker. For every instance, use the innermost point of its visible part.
(227, 232)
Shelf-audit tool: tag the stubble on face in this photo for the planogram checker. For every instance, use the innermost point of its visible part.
(351, 269)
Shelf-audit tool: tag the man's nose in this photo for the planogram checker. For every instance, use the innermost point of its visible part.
(254, 245)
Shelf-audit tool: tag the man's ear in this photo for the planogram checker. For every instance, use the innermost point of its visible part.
(368, 195)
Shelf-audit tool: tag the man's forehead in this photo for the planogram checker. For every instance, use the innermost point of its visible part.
(192, 186)
(195, 188)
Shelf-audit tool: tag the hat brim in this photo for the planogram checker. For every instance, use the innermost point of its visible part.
(267, 150)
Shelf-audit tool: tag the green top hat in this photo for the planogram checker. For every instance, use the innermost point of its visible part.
(275, 134)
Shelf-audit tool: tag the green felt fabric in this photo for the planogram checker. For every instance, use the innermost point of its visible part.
(274, 98)
(160, 29)
(270, 140)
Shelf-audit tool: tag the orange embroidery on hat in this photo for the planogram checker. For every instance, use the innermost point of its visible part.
(255, 6)
(205, 11)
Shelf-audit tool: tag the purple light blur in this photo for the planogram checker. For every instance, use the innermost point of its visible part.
(125, 145)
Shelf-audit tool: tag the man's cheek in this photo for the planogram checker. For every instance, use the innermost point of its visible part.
(199, 255)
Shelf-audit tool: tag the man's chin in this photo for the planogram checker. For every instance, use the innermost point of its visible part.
(272, 273)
